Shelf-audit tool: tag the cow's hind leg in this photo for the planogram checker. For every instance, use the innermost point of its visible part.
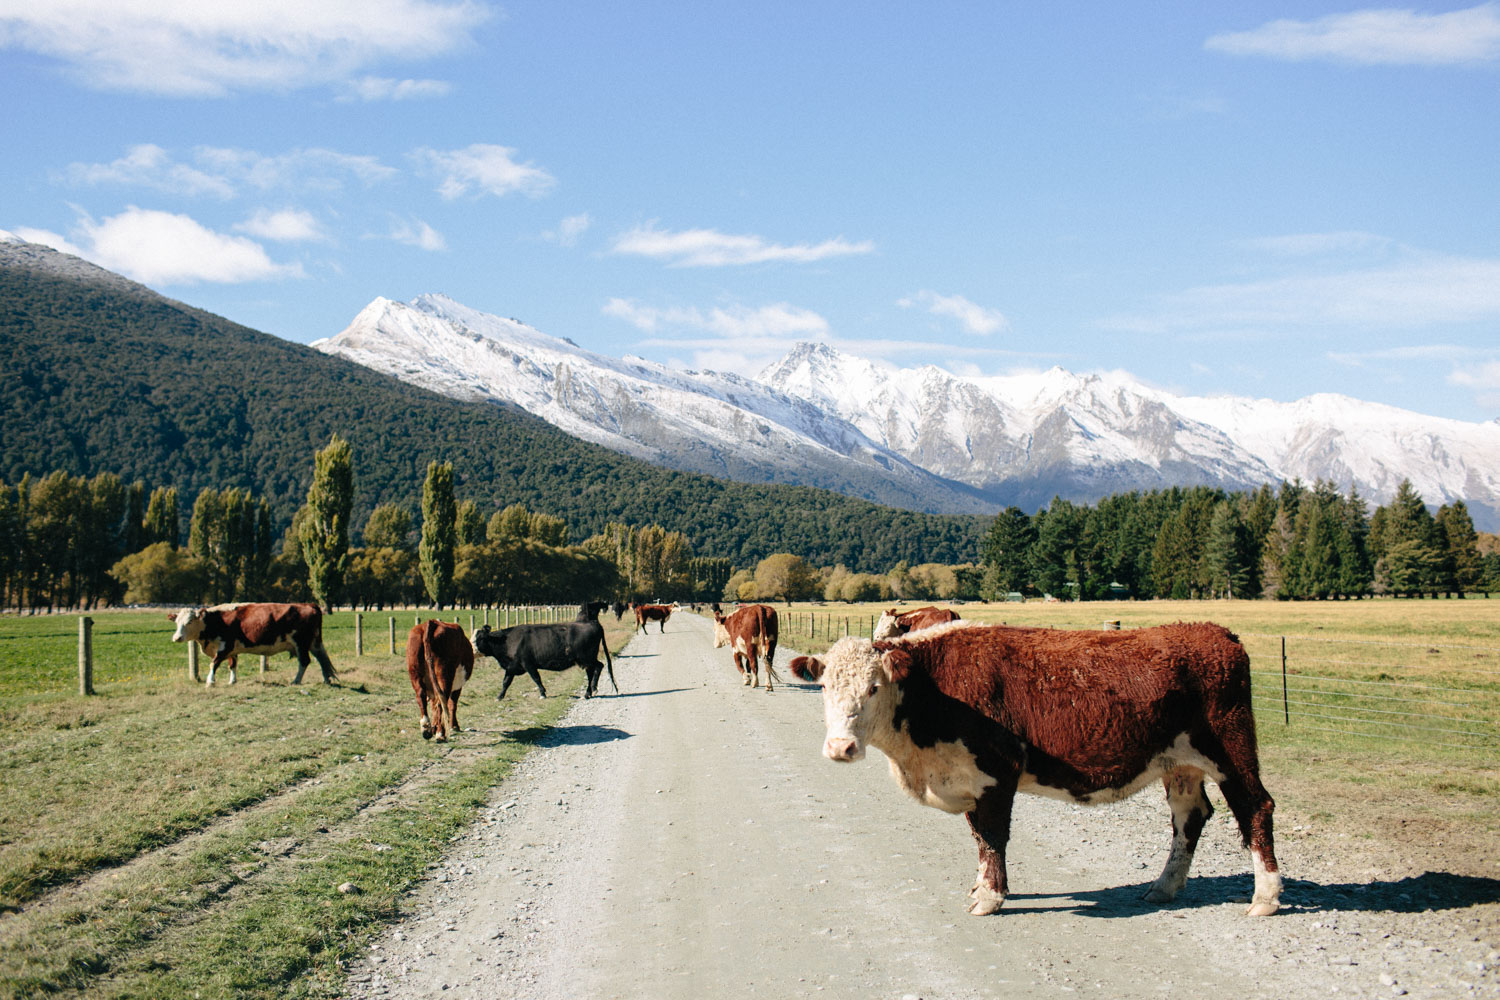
(1190, 811)
(329, 675)
(302, 661)
(1252, 806)
(989, 821)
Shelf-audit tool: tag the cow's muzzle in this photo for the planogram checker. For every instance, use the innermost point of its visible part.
(842, 748)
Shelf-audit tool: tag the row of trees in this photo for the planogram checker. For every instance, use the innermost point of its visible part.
(1298, 542)
(67, 541)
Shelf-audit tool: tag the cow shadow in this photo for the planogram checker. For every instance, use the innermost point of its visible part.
(1411, 895)
(643, 694)
(556, 736)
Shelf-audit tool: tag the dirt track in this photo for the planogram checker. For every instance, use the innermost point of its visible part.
(687, 839)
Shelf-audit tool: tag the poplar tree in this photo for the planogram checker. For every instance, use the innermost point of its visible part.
(325, 533)
(470, 524)
(438, 549)
(162, 517)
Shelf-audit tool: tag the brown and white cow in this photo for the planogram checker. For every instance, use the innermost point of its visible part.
(652, 613)
(969, 715)
(439, 660)
(751, 634)
(232, 629)
(893, 623)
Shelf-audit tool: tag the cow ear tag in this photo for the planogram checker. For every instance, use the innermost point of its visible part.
(897, 664)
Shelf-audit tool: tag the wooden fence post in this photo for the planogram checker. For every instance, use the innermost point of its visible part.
(85, 655)
(193, 662)
(359, 635)
(393, 634)
(471, 624)
(264, 662)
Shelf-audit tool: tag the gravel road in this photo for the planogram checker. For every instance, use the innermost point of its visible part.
(687, 839)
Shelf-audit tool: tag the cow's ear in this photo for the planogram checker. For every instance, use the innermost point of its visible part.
(897, 664)
(808, 668)
(172, 617)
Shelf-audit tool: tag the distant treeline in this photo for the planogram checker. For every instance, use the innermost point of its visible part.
(1298, 542)
(105, 378)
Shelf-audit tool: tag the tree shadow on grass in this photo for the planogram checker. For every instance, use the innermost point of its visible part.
(1414, 894)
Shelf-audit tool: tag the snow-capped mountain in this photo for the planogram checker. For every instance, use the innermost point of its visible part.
(708, 422)
(925, 438)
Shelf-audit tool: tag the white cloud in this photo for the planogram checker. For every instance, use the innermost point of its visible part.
(380, 88)
(567, 232)
(773, 322)
(1322, 244)
(1483, 379)
(484, 168)
(284, 226)
(1375, 37)
(166, 249)
(223, 172)
(707, 248)
(973, 318)
(194, 49)
(416, 233)
(148, 165)
(1420, 292)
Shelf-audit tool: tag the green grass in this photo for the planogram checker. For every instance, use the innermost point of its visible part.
(163, 839)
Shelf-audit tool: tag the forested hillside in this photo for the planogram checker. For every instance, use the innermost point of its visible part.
(99, 374)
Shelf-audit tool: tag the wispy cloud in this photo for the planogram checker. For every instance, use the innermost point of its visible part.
(215, 49)
(160, 248)
(776, 322)
(568, 230)
(973, 318)
(1483, 380)
(708, 248)
(485, 169)
(225, 172)
(1414, 291)
(1383, 36)
(380, 88)
(416, 233)
(286, 225)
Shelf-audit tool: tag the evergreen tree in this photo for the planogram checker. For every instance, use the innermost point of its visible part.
(1356, 574)
(1227, 556)
(438, 550)
(325, 531)
(1006, 552)
(1055, 553)
(1407, 540)
(134, 537)
(1460, 546)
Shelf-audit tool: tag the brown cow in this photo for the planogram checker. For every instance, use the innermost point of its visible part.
(439, 660)
(971, 714)
(750, 633)
(652, 613)
(231, 629)
(893, 623)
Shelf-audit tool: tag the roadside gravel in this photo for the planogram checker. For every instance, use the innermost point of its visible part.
(687, 839)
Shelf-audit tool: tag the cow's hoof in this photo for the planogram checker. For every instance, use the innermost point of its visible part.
(986, 902)
(1158, 895)
(1263, 908)
(427, 734)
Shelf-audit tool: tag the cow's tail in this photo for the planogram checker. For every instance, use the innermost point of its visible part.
(320, 652)
(438, 696)
(768, 644)
(604, 645)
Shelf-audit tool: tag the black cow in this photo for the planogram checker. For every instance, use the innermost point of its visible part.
(525, 649)
(619, 608)
(588, 611)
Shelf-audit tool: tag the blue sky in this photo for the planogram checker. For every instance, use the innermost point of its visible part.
(1263, 199)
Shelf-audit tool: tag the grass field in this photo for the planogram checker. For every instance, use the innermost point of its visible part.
(164, 839)
(161, 839)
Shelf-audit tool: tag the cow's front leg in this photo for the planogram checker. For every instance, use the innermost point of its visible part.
(989, 821)
(505, 685)
(1190, 811)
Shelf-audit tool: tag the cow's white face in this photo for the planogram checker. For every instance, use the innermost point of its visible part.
(189, 625)
(858, 698)
(721, 635)
(886, 627)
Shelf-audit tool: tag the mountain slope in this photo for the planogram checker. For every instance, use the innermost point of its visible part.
(925, 437)
(100, 374)
(719, 424)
